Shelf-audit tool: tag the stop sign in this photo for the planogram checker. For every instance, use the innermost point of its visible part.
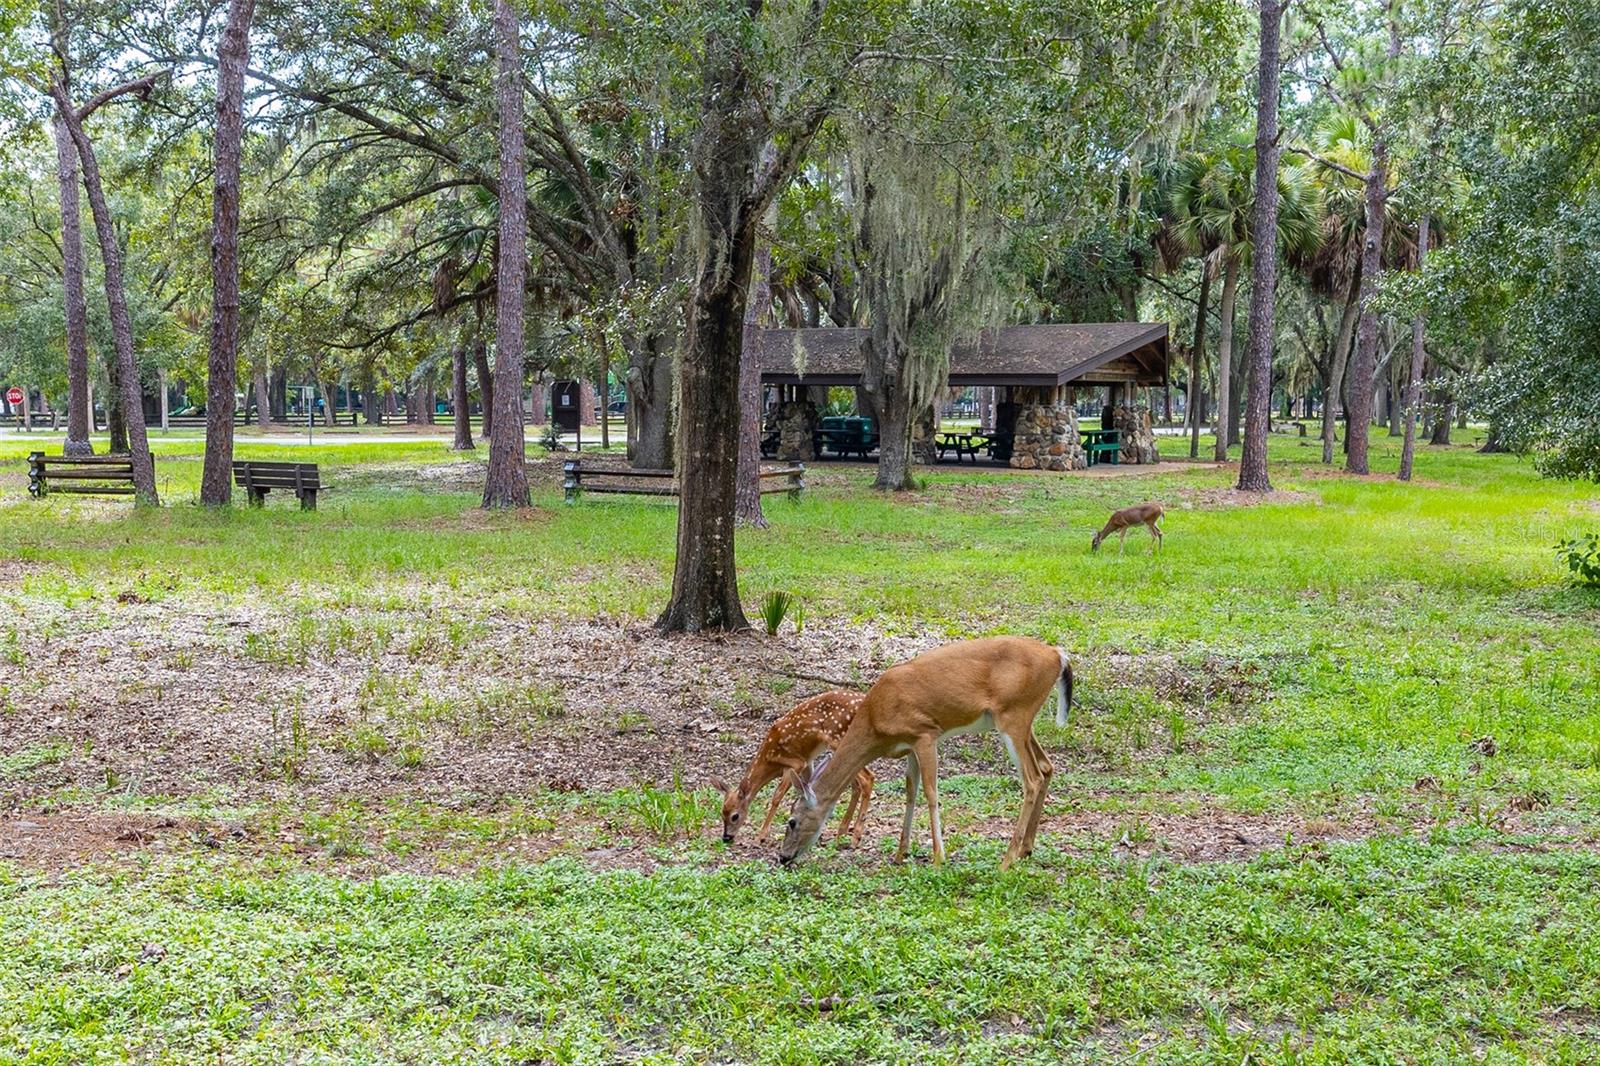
(14, 396)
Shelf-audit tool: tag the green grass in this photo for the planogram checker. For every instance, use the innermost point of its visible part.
(1379, 952)
(1324, 654)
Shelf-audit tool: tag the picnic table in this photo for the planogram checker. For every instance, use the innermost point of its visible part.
(846, 435)
(964, 444)
(1102, 445)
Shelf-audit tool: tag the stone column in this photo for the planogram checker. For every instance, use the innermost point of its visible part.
(1138, 438)
(797, 420)
(1046, 434)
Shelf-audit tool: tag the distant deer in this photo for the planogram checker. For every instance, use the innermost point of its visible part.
(1146, 514)
(797, 740)
(998, 683)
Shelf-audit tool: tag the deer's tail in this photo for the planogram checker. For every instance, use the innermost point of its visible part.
(1063, 689)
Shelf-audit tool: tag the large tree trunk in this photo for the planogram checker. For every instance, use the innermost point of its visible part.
(1197, 362)
(330, 410)
(650, 403)
(72, 283)
(1264, 268)
(116, 425)
(144, 472)
(263, 401)
(1414, 380)
(233, 56)
(460, 407)
(731, 195)
(894, 424)
(1333, 397)
(1230, 291)
(506, 483)
(1441, 423)
(480, 361)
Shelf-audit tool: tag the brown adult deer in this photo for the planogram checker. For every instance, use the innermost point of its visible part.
(793, 743)
(1145, 514)
(997, 683)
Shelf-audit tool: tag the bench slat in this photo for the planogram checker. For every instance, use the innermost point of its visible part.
(87, 475)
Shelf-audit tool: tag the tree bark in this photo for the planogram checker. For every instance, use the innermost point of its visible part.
(1357, 432)
(747, 490)
(506, 483)
(263, 401)
(731, 194)
(144, 473)
(1333, 399)
(1414, 381)
(650, 403)
(1230, 291)
(72, 283)
(480, 360)
(1441, 424)
(460, 407)
(1197, 361)
(233, 56)
(1264, 266)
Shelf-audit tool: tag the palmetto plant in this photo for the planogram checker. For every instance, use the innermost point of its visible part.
(1332, 266)
(774, 608)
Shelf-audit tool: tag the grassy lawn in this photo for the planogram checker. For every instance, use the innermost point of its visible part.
(402, 781)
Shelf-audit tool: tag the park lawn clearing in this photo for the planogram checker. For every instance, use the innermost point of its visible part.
(404, 781)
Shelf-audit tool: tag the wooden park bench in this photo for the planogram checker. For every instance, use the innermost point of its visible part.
(97, 475)
(259, 478)
(639, 481)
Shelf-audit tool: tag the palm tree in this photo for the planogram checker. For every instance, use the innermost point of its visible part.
(1333, 269)
(1212, 200)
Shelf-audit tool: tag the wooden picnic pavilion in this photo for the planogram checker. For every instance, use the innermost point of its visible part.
(1029, 379)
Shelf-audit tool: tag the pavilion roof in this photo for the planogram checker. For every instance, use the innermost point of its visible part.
(1096, 353)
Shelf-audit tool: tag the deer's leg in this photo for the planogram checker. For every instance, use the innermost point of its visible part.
(911, 809)
(864, 782)
(928, 760)
(1122, 539)
(1020, 745)
(772, 808)
(1046, 771)
(850, 812)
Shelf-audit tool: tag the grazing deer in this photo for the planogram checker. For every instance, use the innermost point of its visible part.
(796, 741)
(999, 683)
(1121, 521)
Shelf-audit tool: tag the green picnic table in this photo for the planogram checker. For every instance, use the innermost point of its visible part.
(1102, 445)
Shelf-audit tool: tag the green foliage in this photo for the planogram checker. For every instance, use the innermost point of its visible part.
(775, 607)
(1581, 556)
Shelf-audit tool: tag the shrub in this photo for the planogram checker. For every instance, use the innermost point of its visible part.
(1582, 556)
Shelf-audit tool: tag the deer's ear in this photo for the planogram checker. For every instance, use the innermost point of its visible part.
(719, 784)
(808, 777)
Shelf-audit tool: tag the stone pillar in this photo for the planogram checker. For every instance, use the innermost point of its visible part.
(1138, 439)
(797, 420)
(1046, 432)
